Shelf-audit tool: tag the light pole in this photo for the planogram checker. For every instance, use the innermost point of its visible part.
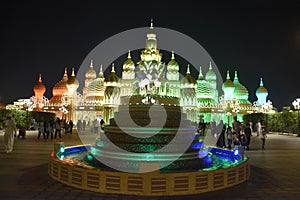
(296, 104)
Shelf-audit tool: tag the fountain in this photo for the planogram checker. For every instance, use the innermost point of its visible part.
(149, 147)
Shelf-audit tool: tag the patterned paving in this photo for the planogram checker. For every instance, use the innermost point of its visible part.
(274, 172)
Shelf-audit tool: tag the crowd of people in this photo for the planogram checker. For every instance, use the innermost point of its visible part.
(53, 128)
(94, 126)
(236, 134)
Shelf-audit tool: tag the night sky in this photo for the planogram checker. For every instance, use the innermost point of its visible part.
(259, 39)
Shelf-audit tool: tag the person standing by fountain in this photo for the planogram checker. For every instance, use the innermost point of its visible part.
(248, 134)
(263, 137)
(79, 126)
(83, 125)
(10, 128)
(229, 136)
(201, 125)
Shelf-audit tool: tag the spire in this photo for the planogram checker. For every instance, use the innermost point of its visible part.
(65, 76)
(228, 76)
(113, 67)
(92, 65)
(151, 24)
(173, 56)
(261, 82)
(101, 69)
(129, 56)
(200, 73)
(235, 75)
(73, 73)
(40, 78)
(188, 69)
(66, 73)
(210, 67)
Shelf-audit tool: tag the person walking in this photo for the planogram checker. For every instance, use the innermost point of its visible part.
(50, 129)
(79, 126)
(258, 128)
(57, 129)
(14, 120)
(42, 128)
(10, 128)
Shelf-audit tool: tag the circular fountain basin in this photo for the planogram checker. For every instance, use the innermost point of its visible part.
(228, 168)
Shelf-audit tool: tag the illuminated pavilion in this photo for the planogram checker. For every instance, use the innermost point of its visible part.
(101, 95)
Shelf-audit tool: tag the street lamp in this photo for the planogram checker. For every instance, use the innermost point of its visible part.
(296, 104)
(266, 108)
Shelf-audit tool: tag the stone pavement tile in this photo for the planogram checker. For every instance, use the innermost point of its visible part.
(274, 173)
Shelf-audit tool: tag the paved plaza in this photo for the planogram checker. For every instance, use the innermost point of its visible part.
(274, 172)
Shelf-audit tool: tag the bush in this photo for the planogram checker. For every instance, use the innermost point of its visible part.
(23, 118)
(277, 122)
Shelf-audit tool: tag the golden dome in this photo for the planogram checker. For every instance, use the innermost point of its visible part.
(39, 87)
(261, 89)
(240, 91)
(112, 77)
(128, 65)
(188, 79)
(91, 73)
(72, 80)
(60, 87)
(173, 64)
(227, 83)
(96, 88)
(112, 91)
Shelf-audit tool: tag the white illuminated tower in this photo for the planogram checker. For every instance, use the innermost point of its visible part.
(261, 94)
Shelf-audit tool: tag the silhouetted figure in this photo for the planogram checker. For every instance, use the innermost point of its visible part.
(248, 134)
(42, 128)
(71, 126)
(229, 136)
(57, 128)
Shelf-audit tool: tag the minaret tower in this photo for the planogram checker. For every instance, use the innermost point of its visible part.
(173, 83)
(128, 76)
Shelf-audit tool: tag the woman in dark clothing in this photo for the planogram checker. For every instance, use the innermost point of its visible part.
(248, 134)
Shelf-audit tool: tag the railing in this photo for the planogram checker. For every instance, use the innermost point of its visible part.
(147, 184)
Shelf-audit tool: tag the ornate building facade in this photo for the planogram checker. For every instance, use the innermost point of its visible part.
(101, 95)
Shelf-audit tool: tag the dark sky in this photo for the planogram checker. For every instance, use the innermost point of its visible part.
(259, 38)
